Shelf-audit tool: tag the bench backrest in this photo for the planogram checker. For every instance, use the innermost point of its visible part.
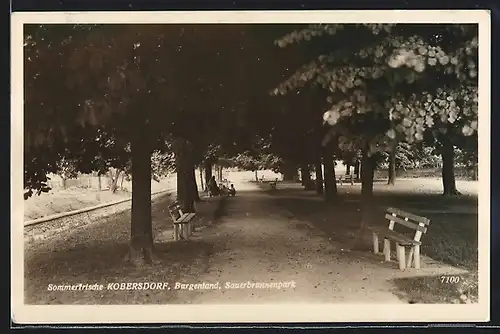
(417, 223)
(175, 210)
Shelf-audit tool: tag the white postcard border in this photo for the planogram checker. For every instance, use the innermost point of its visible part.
(31, 314)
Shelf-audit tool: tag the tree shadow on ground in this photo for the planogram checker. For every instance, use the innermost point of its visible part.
(452, 237)
(452, 234)
(96, 254)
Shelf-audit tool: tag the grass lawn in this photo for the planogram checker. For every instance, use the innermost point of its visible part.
(64, 200)
(95, 254)
(451, 237)
(67, 200)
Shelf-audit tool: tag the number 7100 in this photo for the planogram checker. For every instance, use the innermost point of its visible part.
(450, 279)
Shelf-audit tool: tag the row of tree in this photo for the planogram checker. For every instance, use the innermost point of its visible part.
(388, 84)
(132, 97)
(109, 96)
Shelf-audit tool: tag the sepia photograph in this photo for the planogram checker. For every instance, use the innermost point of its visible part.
(287, 166)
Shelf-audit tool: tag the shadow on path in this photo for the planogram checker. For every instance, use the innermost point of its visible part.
(260, 241)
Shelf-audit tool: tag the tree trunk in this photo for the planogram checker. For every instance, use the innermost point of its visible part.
(114, 181)
(330, 182)
(367, 173)
(194, 186)
(448, 169)
(201, 178)
(141, 231)
(121, 183)
(180, 184)
(319, 176)
(64, 184)
(347, 169)
(289, 171)
(99, 182)
(256, 176)
(218, 171)
(208, 171)
(305, 174)
(184, 168)
(392, 166)
(357, 168)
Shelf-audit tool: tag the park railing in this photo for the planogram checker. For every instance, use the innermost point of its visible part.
(44, 227)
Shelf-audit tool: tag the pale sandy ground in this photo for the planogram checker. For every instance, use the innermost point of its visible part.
(65, 200)
(262, 243)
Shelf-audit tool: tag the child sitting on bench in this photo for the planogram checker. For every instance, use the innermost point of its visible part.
(232, 191)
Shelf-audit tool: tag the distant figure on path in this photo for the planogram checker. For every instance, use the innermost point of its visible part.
(232, 191)
(213, 189)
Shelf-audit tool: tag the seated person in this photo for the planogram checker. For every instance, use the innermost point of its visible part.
(224, 190)
(232, 191)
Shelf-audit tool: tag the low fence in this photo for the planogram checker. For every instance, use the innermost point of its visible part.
(91, 182)
(460, 173)
(87, 181)
(46, 227)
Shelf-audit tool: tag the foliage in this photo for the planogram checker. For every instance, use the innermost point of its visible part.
(162, 163)
(38, 163)
(252, 161)
(110, 77)
(67, 169)
(409, 78)
(418, 155)
(411, 156)
(467, 154)
(428, 158)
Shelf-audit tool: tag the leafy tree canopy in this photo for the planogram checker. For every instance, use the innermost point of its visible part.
(409, 78)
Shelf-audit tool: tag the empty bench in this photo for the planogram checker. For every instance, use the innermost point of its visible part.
(345, 178)
(417, 224)
(183, 222)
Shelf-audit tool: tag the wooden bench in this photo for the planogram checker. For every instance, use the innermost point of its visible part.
(413, 222)
(345, 178)
(183, 223)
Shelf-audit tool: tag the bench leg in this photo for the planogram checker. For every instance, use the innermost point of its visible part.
(401, 256)
(176, 232)
(180, 232)
(387, 249)
(375, 243)
(409, 261)
(417, 256)
(185, 231)
(193, 226)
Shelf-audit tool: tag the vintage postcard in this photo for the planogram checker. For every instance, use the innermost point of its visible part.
(250, 166)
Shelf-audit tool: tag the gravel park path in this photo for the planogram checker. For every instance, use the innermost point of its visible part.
(260, 243)
(260, 247)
